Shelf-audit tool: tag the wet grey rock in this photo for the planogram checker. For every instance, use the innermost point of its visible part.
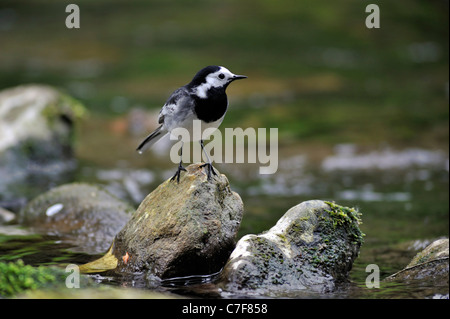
(438, 249)
(36, 141)
(430, 266)
(82, 214)
(310, 249)
(179, 229)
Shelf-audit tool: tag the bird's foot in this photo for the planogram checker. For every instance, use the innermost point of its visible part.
(177, 174)
(210, 169)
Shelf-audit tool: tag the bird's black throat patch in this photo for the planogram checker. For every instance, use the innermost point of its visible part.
(213, 107)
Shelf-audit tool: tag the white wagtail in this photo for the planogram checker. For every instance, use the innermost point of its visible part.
(203, 99)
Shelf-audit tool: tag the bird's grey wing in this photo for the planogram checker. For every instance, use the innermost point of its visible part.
(176, 109)
(170, 105)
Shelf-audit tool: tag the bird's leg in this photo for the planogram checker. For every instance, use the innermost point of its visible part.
(180, 166)
(208, 165)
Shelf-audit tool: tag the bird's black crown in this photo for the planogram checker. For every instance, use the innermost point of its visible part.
(201, 75)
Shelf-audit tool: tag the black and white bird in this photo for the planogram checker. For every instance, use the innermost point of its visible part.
(203, 99)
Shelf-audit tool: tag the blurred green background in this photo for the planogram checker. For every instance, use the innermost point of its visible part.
(315, 71)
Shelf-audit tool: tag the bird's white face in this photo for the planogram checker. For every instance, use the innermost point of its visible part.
(218, 79)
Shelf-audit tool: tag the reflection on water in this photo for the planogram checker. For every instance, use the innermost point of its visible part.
(347, 158)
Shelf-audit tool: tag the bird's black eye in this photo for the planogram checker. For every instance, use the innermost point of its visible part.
(221, 76)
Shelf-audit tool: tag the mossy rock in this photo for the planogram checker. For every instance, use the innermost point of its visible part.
(311, 248)
(37, 133)
(180, 229)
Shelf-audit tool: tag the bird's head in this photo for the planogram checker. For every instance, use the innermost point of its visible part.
(213, 76)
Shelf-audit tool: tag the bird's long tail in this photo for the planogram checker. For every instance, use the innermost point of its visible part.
(151, 139)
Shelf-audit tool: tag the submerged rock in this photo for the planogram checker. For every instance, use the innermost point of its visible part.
(179, 229)
(82, 214)
(36, 141)
(311, 248)
(430, 266)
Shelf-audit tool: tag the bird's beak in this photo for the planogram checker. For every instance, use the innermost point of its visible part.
(238, 77)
